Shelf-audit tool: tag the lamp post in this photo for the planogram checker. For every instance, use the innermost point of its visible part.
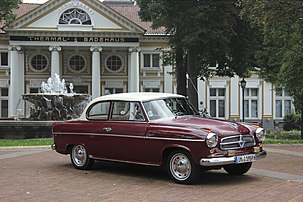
(243, 85)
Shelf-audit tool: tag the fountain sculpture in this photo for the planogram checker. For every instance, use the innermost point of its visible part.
(54, 102)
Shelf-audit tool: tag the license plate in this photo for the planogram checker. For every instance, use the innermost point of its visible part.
(245, 158)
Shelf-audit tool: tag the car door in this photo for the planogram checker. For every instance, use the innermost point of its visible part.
(93, 129)
(123, 136)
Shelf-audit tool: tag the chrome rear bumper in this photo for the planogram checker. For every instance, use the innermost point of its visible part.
(226, 160)
(53, 146)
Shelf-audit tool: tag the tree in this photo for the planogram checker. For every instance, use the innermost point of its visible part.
(281, 56)
(208, 33)
(6, 10)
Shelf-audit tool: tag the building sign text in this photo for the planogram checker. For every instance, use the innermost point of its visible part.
(74, 39)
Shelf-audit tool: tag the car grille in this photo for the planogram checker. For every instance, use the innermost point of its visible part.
(237, 142)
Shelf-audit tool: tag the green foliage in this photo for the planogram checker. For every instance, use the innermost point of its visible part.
(283, 141)
(283, 137)
(205, 33)
(6, 10)
(213, 29)
(25, 142)
(281, 55)
(292, 121)
(291, 135)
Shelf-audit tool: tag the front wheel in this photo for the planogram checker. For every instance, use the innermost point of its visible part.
(181, 168)
(80, 159)
(237, 169)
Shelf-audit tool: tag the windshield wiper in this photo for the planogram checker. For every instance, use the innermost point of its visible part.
(179, 114)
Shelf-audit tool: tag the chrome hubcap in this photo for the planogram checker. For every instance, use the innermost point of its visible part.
(180, 166)
(79, 155)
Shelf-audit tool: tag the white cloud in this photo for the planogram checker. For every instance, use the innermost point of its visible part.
(35, 1)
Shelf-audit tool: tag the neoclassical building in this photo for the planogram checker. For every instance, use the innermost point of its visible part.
(103, 47)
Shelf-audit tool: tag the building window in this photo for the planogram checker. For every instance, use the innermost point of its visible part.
(251, 102)
(75, 16)
(151, 60)
(3, 59)
(114, 63)
(79, 89)
(4, 102)
(283, 102)
(155, 90)
(77, 63)
(217, 102)
(39, 62)
(34, 90)
(108, 91)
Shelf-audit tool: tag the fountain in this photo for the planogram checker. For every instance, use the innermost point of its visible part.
(54, 103)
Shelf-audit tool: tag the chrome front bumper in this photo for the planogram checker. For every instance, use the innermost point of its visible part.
(226, 160)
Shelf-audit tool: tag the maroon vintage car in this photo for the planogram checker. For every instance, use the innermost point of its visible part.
(158, 129)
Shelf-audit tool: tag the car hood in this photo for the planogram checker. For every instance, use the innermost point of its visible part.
(220, 127)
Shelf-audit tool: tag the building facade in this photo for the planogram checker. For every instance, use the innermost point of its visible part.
(103, 47)
(264, 104)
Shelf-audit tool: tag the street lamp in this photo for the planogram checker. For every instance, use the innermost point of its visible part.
(243, 85)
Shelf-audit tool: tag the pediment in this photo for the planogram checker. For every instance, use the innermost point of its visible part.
(102, 18)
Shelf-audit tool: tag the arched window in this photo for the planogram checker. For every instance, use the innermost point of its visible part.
(75, 16)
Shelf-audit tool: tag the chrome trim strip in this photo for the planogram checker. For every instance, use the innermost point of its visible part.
(119, 161)
(220, 161)
(131, 136)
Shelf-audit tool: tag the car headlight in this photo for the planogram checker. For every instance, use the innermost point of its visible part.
(211, 140)
(260, 133)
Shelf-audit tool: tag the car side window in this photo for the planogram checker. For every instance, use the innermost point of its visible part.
(99, 111)
(127, 111)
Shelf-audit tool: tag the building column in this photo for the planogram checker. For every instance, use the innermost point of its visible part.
(55, 60)
(267, 106)
(133, 70)
(96, 70)
(235, 102)
(202, 94)
(15, 83)
(168, 79)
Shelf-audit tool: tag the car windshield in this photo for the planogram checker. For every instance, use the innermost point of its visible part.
(171, 107)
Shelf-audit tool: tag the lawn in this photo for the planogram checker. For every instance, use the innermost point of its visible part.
(25, 142)
(283, 137)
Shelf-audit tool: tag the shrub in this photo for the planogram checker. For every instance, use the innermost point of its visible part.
(289, 135)
(292, 121)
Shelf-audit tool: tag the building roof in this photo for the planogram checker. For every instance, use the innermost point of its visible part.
(25, 8)
(126, 9)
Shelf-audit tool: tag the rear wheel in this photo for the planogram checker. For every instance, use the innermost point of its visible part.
(80, 159)
(237, 169)
(181, 167)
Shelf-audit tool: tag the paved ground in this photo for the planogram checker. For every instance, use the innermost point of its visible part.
(39, 174)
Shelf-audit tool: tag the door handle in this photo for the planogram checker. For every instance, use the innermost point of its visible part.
(107, 129)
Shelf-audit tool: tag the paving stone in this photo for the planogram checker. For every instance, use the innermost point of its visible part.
(39, 174)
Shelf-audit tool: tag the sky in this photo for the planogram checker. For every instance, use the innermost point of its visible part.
(34, 1)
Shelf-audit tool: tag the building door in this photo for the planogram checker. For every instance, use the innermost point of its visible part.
(4, 102)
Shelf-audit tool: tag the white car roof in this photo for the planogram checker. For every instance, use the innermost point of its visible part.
(136, 96)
